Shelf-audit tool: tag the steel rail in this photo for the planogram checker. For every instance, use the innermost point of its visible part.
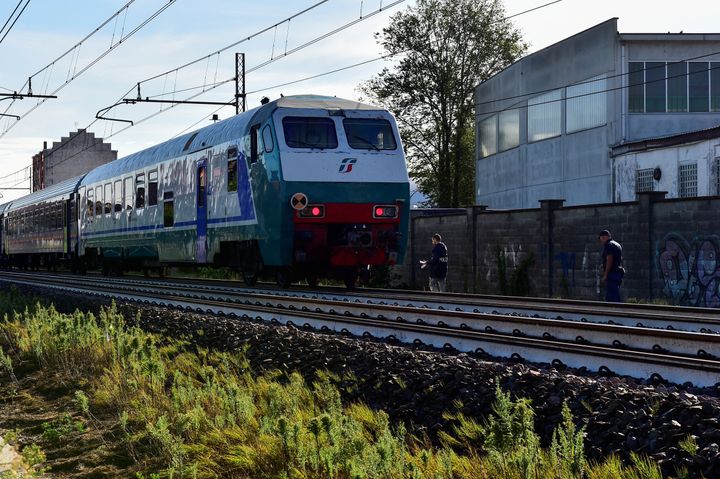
(702, 371)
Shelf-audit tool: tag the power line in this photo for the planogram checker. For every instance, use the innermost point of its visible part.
(605, 90)
(16, 19)
(244, 39)
(548, 90)
(217, 84)
(257, 67)
(93, 62)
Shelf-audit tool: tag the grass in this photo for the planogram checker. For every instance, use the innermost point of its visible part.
(167, 409)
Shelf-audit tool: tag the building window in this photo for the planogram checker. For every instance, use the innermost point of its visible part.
(655, 87)
(544, 116)
(644, 180)
(714, 86)
(508, 129)
(586, 105)
(488, 136)
(687, 180)
(636, 87)
(677, 86)
(699, 83)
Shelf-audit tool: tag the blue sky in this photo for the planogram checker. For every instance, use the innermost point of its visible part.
(189, 29)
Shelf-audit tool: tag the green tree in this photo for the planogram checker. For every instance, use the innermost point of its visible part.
(444, 48)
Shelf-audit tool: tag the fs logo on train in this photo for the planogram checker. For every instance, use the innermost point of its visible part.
(346, 165)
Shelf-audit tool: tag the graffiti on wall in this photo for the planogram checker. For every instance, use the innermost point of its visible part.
(690, 269)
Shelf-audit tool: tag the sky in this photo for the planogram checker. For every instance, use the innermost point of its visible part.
(188, 30)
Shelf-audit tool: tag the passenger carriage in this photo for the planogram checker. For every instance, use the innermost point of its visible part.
(40, 229)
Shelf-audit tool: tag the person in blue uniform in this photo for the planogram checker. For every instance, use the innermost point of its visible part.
(613, 270)
(438, 264)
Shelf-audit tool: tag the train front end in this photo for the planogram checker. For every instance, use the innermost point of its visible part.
(346, 187)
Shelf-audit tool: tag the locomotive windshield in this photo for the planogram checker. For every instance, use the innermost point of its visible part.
(369, 134)
(309, 132)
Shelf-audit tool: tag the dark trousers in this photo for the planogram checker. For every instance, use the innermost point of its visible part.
(612, 291)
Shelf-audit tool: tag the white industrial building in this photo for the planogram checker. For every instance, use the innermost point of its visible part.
(590, 117)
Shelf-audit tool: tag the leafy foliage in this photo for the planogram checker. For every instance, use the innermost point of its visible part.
(446, 47)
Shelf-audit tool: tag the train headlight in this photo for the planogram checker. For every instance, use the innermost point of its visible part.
(312, 211)
(385, 211)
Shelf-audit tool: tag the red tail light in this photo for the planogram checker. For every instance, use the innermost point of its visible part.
(312, 211)
(385, 211)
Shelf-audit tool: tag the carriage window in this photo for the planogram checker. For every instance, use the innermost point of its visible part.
(108, 198)
(152, 188)
(128, 184)
(140, 191)
(90, 202)
(98, 200)
(168, 209)
(118, 196)
(309, 132)
(267, 139)
(369, 134)
(232, 179)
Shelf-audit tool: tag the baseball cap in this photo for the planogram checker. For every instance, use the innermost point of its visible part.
(604, 233)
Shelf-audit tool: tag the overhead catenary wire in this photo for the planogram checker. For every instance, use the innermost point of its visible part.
(264, 64)
(305, 45)
(236, 43)
(593, 80)
(14, 21)
(94, 61)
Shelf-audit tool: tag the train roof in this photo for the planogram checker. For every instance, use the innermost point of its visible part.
(58, 191)
(214, 134)
(4, 207)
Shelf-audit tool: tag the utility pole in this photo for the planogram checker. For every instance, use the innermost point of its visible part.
(239, 81)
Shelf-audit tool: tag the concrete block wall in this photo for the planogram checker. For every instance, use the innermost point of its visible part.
(670, 248)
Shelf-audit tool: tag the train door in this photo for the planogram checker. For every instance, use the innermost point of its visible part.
(201, 227)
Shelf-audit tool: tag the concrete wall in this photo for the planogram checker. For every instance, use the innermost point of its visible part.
(670, 248)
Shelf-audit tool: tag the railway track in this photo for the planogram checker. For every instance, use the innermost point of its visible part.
(678, 344)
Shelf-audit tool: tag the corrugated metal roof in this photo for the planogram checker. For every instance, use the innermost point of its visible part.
(665, 141)
(215, 134)
(59, 191)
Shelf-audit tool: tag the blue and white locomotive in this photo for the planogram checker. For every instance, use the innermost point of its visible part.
(304, 186)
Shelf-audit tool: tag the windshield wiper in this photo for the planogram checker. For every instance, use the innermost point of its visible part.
(367, 142)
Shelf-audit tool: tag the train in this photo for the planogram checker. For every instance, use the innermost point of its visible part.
(304, 187)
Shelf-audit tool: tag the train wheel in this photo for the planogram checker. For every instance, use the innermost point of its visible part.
(312, 279)
(282, 277)
(251, 267)
(350, 278)
(250, 278)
